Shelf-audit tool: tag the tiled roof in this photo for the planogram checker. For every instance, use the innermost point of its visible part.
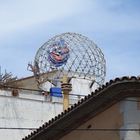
(25, 78)
(99, 100)
(28, 77)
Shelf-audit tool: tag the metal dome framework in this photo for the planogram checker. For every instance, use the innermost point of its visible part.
(86, 60)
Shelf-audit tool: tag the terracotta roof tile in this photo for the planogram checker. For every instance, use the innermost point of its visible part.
(138, 77)
(125, 79)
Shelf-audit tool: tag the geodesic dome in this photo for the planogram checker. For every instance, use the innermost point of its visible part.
(71, 54)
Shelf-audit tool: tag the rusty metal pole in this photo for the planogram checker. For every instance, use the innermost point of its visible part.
(66, 88)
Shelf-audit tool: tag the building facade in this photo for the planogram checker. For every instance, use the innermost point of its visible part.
(22, 113)
(111, 112)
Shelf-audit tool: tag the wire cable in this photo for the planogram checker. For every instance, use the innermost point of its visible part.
(130, 100)
(77, 129)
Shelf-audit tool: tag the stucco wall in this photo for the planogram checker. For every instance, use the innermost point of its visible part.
(123, 115)
(131, 110)
(108, 119)
(24, 111)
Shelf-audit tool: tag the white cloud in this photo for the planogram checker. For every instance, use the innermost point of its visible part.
(111, 16)
(98, 15)
(22, 15)
(25, 25)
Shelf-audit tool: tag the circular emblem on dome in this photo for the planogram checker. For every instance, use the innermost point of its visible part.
(58, 53)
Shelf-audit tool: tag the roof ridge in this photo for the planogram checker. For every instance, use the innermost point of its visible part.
(81, 102)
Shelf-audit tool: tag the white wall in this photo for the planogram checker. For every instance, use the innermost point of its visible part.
(81, 87)
(131, 119)
(25, 111)
(30, 110)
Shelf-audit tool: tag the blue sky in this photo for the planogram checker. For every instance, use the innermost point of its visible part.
(114, 25)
